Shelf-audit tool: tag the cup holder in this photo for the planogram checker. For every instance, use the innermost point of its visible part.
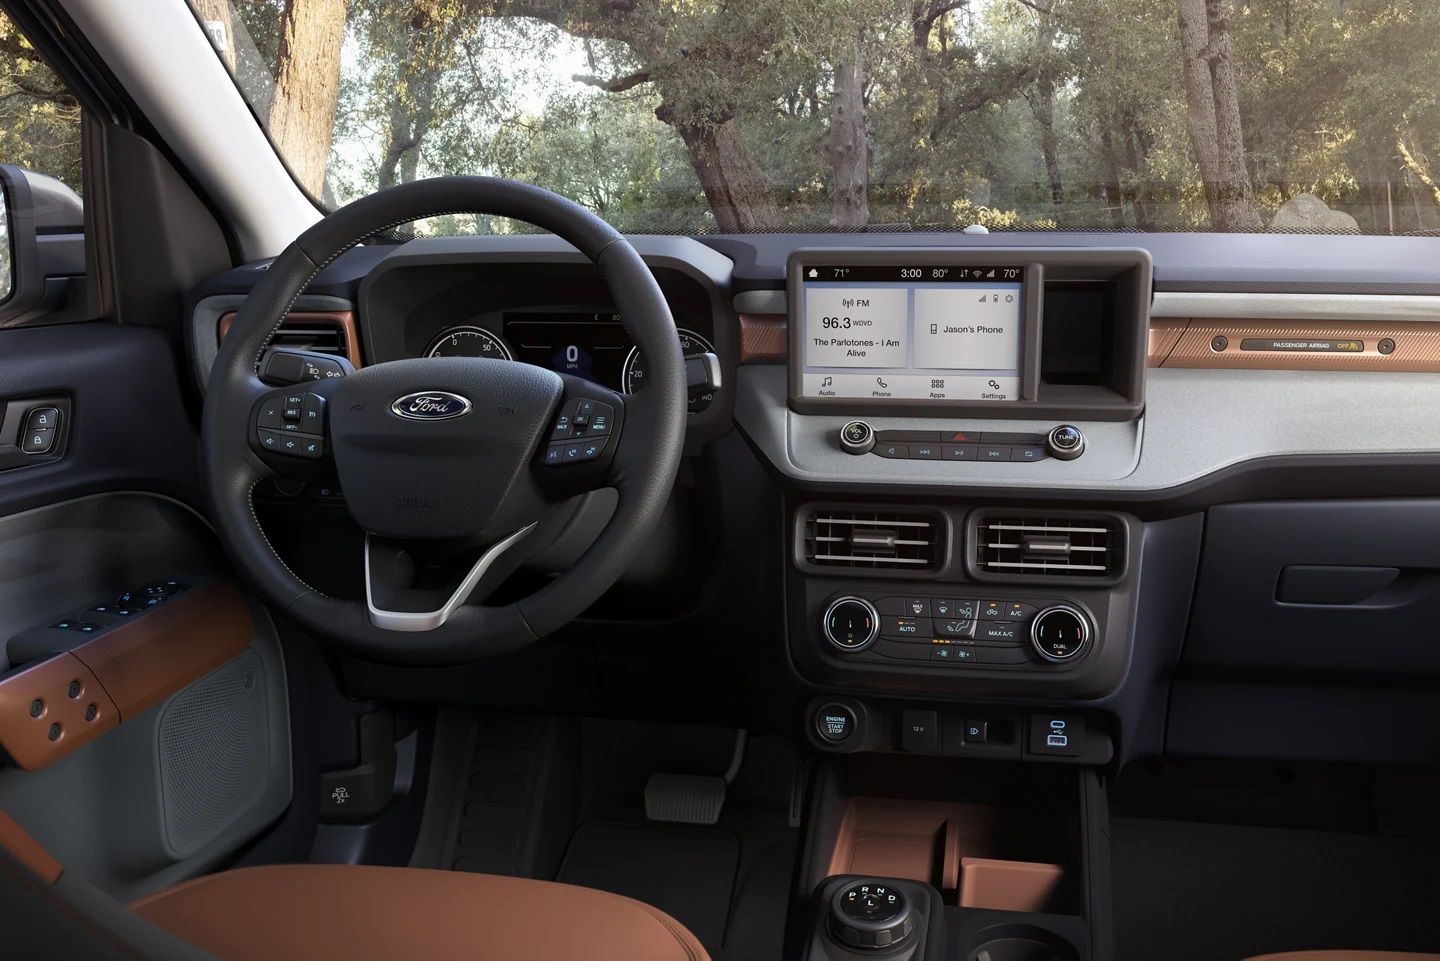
(1022, 942)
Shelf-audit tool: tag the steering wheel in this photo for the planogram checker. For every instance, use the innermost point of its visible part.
(454, 467)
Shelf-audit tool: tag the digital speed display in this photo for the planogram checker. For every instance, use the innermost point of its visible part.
(911, 332)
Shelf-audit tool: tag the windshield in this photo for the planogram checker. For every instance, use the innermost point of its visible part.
(691, 116)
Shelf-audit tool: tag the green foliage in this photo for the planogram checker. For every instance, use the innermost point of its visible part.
(39, 119)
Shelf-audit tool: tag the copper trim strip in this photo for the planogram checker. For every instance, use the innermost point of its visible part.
(763, 339)
(41, 721)
(1164, 335)
(1415, 347)
(18, 843)
(343, 319)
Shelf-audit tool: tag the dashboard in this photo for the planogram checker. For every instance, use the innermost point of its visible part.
(1056, 472)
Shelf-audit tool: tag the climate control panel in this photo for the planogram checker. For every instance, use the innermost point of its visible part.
(960, 630)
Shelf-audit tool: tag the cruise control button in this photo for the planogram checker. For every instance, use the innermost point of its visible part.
(905, 627)
(272, 412)
(313, 414)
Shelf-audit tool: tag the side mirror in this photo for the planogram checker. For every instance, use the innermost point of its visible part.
(33, 205)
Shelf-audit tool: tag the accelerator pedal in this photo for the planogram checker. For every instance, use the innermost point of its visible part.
(691, 798)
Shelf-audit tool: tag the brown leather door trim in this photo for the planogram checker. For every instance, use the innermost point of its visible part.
(46, 711)
(144, 662)
(120, 673)
(343, 319)
(18, 843)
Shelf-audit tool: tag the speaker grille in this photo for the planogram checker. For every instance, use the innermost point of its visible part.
(214, 753)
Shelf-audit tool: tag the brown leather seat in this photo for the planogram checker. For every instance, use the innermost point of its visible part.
(1347, 956)
(373, 913)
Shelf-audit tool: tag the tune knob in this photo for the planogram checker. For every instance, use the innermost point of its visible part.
(1065, 442)
(857, 437)
(870, 915)
(1059, 633)
(851, 623)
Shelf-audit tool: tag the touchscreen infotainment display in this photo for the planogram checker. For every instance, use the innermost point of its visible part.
(911, 332)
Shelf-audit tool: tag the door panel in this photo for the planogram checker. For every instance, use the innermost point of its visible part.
(197, 765)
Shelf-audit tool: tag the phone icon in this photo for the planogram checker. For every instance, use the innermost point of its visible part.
(881, 382)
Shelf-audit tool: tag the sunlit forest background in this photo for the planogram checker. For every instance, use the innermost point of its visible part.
(751, 115)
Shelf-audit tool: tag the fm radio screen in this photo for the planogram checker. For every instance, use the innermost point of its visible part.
(912, 332)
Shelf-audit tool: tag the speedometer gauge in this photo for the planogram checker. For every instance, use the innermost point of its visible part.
(469, 342)
(632, 377)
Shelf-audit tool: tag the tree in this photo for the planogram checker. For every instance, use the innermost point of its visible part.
(1213, 114)
(307, 87)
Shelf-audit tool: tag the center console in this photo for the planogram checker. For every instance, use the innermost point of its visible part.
(960, 642)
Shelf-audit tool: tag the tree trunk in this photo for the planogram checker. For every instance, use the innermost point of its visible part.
(740, 195)
(1419, 166)
(307, 87)
(1234, 194)
(849, 146)
(1042, 105)
(215, 16)
(1113, 197)
(1199, 96)
(1135, 153)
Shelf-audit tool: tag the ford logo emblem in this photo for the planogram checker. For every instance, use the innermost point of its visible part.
(431, 405)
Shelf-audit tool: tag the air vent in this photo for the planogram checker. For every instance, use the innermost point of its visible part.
(878, 540)
(308, 334)
(1031, 545)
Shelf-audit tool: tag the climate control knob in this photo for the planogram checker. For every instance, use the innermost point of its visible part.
(851, 623)
(1059, 633)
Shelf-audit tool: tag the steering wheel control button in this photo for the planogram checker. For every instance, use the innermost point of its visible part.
(312, 413)
(870, 915)
(272, 413)
(857, 437)
(834, 723)
(1065, 442)
(1059, 633)
(1057, 734)
(851, 623)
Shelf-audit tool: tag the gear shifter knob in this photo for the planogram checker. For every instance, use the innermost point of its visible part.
(870, 915)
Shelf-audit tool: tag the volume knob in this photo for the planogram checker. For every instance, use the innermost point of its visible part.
(857, 437)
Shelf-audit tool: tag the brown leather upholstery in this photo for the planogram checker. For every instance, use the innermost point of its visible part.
(1347, 956)
(25, 849)
(382, 914)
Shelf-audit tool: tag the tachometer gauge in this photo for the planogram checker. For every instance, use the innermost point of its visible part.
(632, 377)
(469, 342)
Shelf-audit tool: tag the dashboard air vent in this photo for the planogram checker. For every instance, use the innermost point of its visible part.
(877, 540)
(311, 334)
(1028, 545)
